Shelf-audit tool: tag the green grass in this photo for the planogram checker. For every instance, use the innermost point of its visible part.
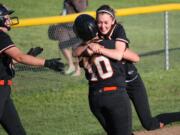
(50, 103)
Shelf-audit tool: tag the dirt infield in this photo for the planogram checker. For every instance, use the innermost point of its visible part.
(171, 130)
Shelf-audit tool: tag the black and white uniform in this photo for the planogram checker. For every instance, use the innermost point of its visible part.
(136, 89)
(108, 99)
(9, 118)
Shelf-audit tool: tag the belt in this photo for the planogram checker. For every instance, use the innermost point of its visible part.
(103, 90)
(111, 88)
(5, 82)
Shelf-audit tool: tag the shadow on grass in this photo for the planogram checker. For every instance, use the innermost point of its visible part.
(156, 52)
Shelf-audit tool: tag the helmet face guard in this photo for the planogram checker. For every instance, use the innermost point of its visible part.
(5, 11)
(14, 20)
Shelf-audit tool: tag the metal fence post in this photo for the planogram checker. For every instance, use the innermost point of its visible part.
(166, 40)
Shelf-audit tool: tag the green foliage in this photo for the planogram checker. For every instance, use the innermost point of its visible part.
(50, 103)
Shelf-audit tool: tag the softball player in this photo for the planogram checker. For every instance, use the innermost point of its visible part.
(108, 99)
(110, 29)
(9, 118)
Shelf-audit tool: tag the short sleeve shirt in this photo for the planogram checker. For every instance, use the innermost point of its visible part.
(7, 71)
(117, 33)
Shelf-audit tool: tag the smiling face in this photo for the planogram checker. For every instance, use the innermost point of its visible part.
(105, 22)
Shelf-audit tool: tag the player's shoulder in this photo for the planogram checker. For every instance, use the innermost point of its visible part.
(5, 41)
(110, 44)
(119, 26)
(4, 36)
(104, 41)
(117, 29)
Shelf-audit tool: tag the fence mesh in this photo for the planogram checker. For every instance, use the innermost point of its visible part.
(60, 110)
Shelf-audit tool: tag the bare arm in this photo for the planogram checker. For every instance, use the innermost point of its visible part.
(79, 50)
(112, 53)
(128, 54)
(20, 57)
(131, 55)
(116, 53)
(83, 49)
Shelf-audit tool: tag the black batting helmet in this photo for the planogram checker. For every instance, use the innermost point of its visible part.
(5, 11)
(85, 27)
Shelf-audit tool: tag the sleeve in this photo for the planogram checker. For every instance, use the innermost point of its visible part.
(109, 44)
(79, 5)
(5, 42)
(119, 34)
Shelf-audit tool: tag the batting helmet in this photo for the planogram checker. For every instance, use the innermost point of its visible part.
(85, 27)
(5, 11)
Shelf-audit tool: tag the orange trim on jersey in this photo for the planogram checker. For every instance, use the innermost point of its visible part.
(111, 88)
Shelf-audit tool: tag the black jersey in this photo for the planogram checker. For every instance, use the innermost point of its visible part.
(117, 33)
(102, 71)
(6, 68)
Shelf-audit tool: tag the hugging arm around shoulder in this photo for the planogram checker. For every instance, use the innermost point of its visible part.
(131, 55)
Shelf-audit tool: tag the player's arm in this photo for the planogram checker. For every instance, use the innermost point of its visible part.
(20, 57)
(116, 53)
(128, 54)
(120, 35)
(33, 52)
(79, 50)
(16, 54)
(82, 50)
(131, 55)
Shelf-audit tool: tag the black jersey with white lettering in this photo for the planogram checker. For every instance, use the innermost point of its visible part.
(117, 33)
(6, 68)
(102, 71)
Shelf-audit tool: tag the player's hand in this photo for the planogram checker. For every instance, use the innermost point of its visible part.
(35, 51)
(54, 64)
(90, 52)
(95, 47)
